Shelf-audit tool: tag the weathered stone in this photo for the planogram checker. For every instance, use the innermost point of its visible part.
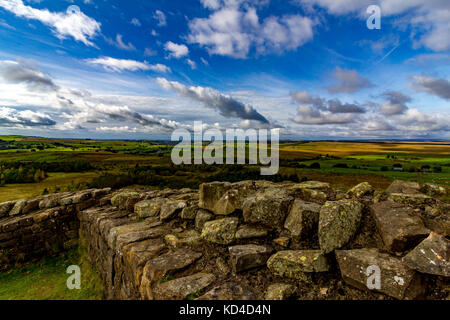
(398, 226)
(244, 257)
(125, 234)
(295, 264)
(181, 288)
(280, 291)
(201, 218)
(268, 207)
(210, 193)
(170, 207)
(222, 266)
(412, 199)
(30, 206)
(189, 213)
(313, 195)
(81, 196)
(220, 231)
(137, 254)
(399, 186)
(148, 208)
(282, 241)
(119, 200)
(360, 190)
(5, 207)
(233, 198)
(157, 268)
(433, 190)
(431, 256)
(248, 232)
(189, 238)
(338, 222)
(303, 218)
(313, 185)
(396, 279)
(18, 206)
(50, 201)
(229, 291)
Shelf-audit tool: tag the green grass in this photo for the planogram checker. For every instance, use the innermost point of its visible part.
(46, 280)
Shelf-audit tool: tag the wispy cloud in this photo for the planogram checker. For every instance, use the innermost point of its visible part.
(348, 81)
(73, 22)
(119, 65)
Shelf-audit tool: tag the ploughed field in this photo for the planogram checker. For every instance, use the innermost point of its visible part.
(244, 240)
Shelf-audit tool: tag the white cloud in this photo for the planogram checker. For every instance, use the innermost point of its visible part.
(191, 63)
(73, 22)
(160, 17)
(23, 118)
(176, 50)
(118, 65)
(232, 30)
(149, 52)
(428, 18)
(135, 22)
(118, 42)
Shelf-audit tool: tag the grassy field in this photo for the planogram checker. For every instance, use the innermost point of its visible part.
(341, 163)
(46, 280)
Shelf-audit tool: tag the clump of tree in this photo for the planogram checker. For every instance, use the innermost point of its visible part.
(184, 176)
(22, 174)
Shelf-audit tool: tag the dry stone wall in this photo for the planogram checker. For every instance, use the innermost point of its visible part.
(253, 240)
(34, 228)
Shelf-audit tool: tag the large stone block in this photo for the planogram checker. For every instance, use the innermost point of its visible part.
(431, 256)
(399, 227)
(182, 288)
(303, 218)
(338, 222)
(244, 257)
(268, 207)
(220, 231)
(296, 264)
(358, 269)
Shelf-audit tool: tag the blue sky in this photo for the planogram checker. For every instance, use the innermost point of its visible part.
(140, 69)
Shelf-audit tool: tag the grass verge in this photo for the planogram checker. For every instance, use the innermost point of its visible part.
(46, 279)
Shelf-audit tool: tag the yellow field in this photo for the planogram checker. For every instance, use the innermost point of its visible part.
(29, 190)
(340, 149)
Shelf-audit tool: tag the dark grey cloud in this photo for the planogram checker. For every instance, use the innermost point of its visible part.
(19, 72)
(348, 81)
(394, 104)
(319, 111)
(226, 105)
(434, 86)
(336, 106)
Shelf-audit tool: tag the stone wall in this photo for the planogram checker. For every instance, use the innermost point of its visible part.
(251, 240)
(33, 228)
